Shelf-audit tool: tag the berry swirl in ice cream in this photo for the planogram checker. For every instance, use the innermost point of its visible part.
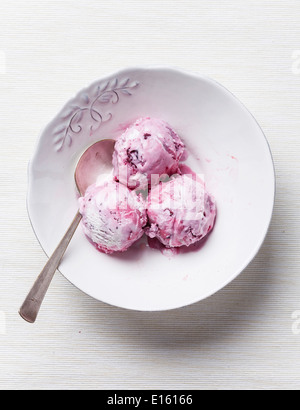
(180, 211)
(113, 217)
(146, 150)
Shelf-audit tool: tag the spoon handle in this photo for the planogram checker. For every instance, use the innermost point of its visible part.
(31, 306)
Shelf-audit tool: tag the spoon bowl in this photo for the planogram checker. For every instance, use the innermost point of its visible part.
(94, 162)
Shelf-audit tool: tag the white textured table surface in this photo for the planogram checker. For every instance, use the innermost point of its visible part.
(245, 336)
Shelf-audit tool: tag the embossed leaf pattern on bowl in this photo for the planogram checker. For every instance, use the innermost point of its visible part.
(106, 93)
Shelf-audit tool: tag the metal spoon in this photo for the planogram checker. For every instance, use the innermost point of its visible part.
(96, 160)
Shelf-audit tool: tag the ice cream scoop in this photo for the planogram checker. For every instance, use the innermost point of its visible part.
(94, 161)
(113, 216)
(146, 150)
(180, 211)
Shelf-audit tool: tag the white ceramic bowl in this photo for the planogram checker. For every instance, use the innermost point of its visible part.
(226, 145)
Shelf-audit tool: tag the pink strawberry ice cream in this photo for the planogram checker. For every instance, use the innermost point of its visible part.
(180, 211)
(113, 216)
(149, 147)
